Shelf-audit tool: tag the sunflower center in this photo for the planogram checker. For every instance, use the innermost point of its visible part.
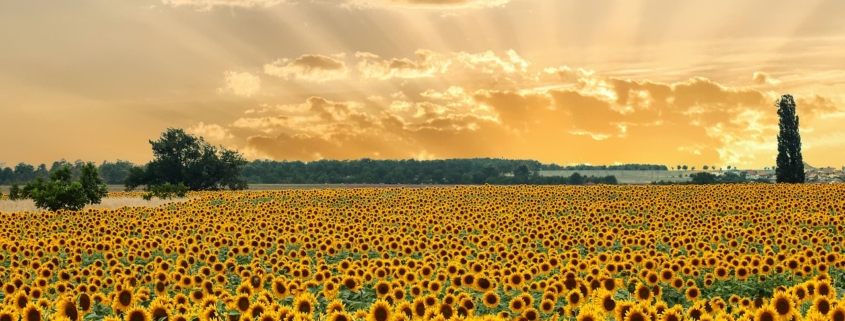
(380, 314)
(125, 298)
(33, 315)
(136, 316)
(70, 311)
(782, 306)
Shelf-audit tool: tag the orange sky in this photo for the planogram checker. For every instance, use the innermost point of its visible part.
(600, 82)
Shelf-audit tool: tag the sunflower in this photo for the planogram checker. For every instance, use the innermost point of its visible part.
(379, 311)
(643, 293)
(837, 314)
(604, 300)
(547, 306)
(824, 289)
(67, 308)
(766, 313)
(340, 316)
(382, 289)
(622, 309)
(516, 305)
(123, 300)
(483, 284)
(404, 308)
(671, 315)
(210, 314)
(351, 283)
(636, 313)
(8, 315)
(692, 293)
(822, 304)
(136, 313)
(574, 298)
(589, 314)
(335, 306)
(255, 310)
(280, 288)
(20, 301)
(304, 303)
(84, 303)
(241, 303)
(783, 304)
(490, 299)
(31, 313)
(419, 308)
(446, 310)
(158, 310)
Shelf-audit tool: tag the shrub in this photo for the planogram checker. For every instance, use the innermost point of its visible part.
(59, 193)
(167, 191)
(15, 192)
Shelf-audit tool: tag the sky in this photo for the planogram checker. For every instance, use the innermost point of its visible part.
(560, 81)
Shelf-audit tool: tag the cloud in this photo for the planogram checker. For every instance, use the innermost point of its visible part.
(428, 4)
(205, 5)
(489, 62)
(427, 64)
(209, 131)
(241, 83)
(762, 78)
(317, 68)
(486, 104)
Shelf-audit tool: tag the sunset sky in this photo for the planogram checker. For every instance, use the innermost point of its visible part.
(600, 82)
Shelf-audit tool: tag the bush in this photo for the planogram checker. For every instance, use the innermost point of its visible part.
(93, 185)
(59, 193)
(166, 191)
(15, 192)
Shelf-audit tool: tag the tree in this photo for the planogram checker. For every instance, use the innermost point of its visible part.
(685, 167)
(15, 192)
(703, 178)
(729, 167)
(790, 163)
(521, 171)
(692, 168)
(180, 157)
(60, 192)
(576, 179)
(93, 185)
(705, 167)
(678, 167)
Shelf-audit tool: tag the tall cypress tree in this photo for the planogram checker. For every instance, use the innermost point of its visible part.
(790, 163)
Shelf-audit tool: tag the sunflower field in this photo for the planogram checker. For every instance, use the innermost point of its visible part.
(759, 252)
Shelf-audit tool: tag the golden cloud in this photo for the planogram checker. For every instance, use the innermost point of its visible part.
(317, 68)
(428, 4)
(473, 105)
(241, 83)
(205, 5)
(427, 64)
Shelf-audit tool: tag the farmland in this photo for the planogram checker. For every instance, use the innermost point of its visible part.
(719, 252)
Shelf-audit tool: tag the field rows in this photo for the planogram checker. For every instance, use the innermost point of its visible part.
(719, 252)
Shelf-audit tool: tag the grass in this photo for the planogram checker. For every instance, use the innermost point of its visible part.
(108, 202)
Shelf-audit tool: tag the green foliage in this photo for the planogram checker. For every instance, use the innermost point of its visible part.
(704, 178)
(180, 157)
(790, 163)
(167, 191)
(15, 192)
(59, 193)
(94, 187)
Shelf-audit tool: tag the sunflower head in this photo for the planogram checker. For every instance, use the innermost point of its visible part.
(379, 311)
(136, 313)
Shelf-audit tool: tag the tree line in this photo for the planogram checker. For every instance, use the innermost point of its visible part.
(109, 172)
(370, 171)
